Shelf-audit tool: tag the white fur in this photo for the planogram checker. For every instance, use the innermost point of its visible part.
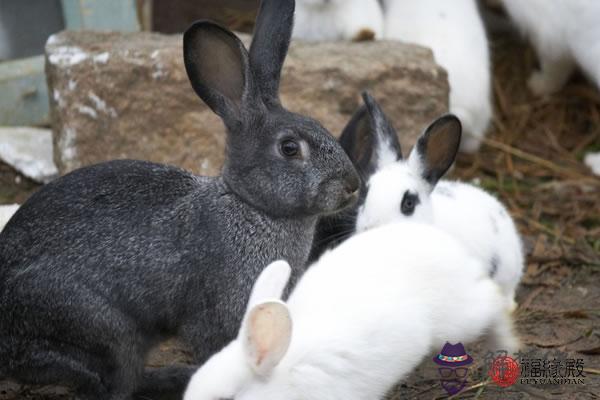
(364, 316)
(455, 33)
(592, 160)
(565, 33)
(318, 20)
(6, 213)
(468, 213)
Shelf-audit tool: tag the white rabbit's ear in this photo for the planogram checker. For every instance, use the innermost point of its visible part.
(270, 283)
(267, 334)
(437, 147)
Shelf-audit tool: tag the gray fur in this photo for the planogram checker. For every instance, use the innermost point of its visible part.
(101, 265)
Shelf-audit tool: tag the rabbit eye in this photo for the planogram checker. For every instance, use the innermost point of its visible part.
(409, 202)
(290, 148)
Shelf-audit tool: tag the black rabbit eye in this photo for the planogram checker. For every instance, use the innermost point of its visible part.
(290, 148)
(409, 202)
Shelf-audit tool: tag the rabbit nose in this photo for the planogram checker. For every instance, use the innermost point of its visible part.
(351, 191)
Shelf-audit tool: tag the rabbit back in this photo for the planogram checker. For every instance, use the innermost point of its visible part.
(484, 226)
(128, 197)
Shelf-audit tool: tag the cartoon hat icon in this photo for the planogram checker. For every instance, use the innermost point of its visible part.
(453, 355)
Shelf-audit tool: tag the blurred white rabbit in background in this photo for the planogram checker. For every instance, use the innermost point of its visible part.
(319, 20)
(565, 35)
(454, 31)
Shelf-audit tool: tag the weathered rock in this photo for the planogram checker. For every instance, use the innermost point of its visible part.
(127, 95)
(6, 212)
(29, 151)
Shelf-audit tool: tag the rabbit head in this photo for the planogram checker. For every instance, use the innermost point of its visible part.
(280, 162)
(246, 368)
(397, 188)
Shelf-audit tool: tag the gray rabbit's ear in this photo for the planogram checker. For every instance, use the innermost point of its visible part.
(437, 148)
(369, 138)
(270, 44)
(218, 68)
(267, 333)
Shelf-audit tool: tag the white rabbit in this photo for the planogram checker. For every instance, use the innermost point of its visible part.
(359, 320)
(318, 20)
(6, 213)
(408, 190)
(565, 33)
(455, 33)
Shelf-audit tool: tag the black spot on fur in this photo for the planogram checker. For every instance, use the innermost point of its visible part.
(494, 263)
(494, 223)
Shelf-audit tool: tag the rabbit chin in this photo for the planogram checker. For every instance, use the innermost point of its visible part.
(321, 199)
(327, 203)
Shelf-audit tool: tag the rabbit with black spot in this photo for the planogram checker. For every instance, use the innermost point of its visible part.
(359, 320)
(101, 265)
(411, 189)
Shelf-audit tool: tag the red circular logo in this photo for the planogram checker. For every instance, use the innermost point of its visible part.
(504, 371)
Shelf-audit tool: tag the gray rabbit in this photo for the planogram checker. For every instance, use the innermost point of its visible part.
(99, 266)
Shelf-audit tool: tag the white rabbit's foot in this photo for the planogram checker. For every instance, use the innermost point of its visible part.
(502, 336)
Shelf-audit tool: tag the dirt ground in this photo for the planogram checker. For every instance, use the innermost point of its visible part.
(532, 161)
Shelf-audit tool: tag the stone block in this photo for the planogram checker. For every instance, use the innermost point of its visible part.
(126, 95)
